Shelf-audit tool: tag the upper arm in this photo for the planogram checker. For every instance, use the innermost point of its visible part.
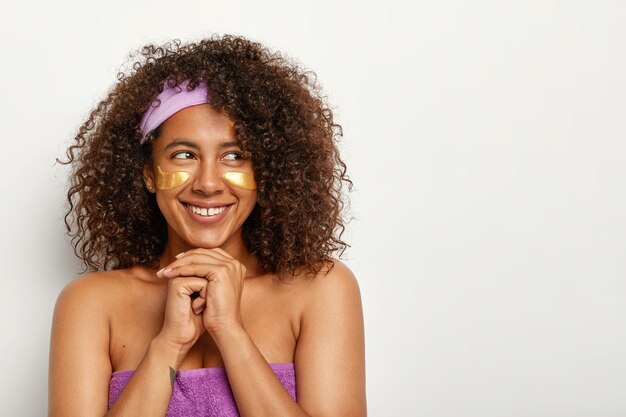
(330, 357)
(80, 367)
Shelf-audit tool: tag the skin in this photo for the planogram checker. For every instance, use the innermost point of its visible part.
(146, 320)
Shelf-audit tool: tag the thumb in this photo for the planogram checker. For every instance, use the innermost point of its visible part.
(198, 303)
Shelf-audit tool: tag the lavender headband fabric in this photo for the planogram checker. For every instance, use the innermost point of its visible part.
(170, 101)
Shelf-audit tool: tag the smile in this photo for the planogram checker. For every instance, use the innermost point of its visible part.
(206, 212)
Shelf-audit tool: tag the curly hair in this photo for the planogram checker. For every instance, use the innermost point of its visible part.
(281, 119)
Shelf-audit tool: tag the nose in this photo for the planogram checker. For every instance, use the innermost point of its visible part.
(208, 179)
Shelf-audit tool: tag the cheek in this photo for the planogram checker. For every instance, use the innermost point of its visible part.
(247, 202)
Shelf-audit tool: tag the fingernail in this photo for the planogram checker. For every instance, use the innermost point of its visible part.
(159, 272)
(167, 270)
(180, 255)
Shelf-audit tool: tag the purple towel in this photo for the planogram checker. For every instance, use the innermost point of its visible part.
(203, 392)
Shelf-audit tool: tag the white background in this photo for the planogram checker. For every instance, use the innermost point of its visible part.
(486, 143)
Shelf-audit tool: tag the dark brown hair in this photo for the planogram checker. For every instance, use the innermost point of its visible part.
(281, 119)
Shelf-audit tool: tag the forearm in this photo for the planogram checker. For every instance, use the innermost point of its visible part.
(149, 390)
(256, 389)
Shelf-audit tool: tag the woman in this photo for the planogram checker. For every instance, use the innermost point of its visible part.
(207, 186)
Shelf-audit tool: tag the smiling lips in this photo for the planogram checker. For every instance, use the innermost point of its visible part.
(206, 212)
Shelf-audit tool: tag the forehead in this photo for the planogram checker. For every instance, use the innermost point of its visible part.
(200, 123)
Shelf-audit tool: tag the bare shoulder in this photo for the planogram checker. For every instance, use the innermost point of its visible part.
(80, 340)
(85, 304)
(335, 283)
(330, 352)
(94, 298)
(89, 284)
(92, 290)
(332, 294)
(79, 345)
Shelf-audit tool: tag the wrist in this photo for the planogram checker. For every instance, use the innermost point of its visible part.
(173, 354)
(225, 335)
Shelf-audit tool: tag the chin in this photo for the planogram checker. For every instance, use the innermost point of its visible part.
(207, 239)
(206, 243)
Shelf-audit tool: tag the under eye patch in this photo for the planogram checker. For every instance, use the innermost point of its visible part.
(168, 180)
(243, 180)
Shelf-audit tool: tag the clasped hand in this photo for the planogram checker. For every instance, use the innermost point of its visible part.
(204, 293)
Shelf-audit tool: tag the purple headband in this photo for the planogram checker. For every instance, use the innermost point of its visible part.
(170, 101)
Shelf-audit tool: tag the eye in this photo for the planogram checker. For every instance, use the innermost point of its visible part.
(182, 155)
(233, 156)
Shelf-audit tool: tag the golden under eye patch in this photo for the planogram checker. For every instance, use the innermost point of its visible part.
(168, 180)
(243, 180)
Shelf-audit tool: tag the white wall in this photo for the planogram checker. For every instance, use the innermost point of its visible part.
(486, 142)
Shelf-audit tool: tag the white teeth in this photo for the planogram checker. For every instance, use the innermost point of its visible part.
(206, 212)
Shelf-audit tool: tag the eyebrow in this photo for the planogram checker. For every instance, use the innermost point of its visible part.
(181, 142)
(229, 144)
(191, 144)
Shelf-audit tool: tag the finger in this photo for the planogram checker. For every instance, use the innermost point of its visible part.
(216, 252)
(208, 271)
(223, 253)
(196, 258)
(198, 305)
(187, 285)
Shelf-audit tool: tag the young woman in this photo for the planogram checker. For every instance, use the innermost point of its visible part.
(207, 193)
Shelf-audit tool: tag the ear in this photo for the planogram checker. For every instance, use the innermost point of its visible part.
(148, 178)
